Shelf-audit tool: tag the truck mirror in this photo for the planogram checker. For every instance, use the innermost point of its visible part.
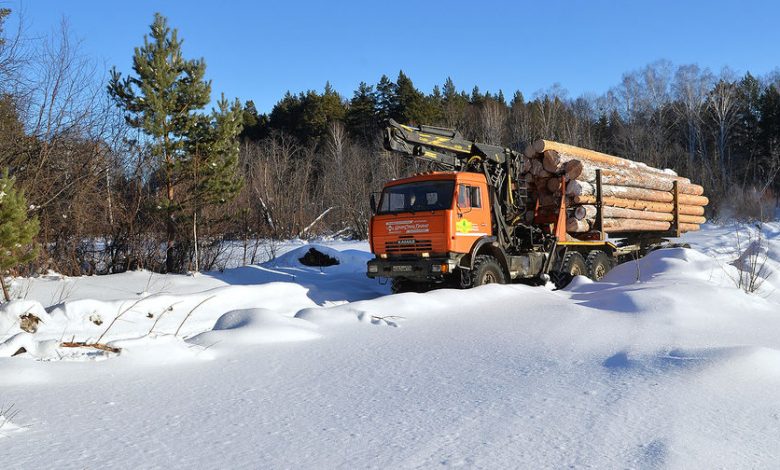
(372, 200)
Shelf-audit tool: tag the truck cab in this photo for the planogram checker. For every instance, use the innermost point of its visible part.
(426, 223)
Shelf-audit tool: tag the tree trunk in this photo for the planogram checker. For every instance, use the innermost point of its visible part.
(5, 288)
(170, 228)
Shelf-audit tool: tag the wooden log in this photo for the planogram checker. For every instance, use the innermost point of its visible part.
(589, 212)
(582, 188)
(541, 184)
(634, 225)
(584, 212)
(639, 179)
(613, 226)
(549, 199)
(536, 167)
(640, 204)
(574, 225)
(573, 169)
(591, 167)
(591, 155)
(551, 161)
(554, 184)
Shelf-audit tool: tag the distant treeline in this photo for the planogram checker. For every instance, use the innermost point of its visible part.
(109, 189)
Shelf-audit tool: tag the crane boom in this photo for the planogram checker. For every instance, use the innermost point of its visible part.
(447, 147)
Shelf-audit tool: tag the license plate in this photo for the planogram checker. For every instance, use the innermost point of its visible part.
(402, 268)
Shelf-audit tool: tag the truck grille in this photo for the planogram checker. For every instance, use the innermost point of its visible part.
(408, 246)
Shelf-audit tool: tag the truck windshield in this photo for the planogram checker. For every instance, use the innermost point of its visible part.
(417, 197)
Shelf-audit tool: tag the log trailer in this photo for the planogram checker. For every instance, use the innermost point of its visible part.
(473, 222)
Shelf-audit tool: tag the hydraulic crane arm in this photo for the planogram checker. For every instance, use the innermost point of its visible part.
(446, 147)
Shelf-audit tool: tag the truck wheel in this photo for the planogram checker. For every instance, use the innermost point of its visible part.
(573, 264)
(598, 264)
(487, 270)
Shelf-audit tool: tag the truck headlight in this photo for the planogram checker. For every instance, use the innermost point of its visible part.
(440, 268)
(372, 268)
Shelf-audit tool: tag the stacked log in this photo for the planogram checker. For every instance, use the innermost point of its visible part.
(635, 197)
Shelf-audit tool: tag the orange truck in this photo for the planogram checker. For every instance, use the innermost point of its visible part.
(468, 225)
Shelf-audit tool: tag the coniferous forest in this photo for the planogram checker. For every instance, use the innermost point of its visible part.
(151, 168)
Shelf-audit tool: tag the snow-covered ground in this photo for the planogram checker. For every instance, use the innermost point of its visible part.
(285, 366)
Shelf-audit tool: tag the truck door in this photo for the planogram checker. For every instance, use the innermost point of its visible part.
(472, 219)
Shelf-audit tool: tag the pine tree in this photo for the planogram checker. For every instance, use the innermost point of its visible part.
(214, 162)
(769, 135)
(413, 107)
(255, 125)
(386, 100)
(215, 155)
(16, 230)
(453, 105)
(162, 100)
(361, 117)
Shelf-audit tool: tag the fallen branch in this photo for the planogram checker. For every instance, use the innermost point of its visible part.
(84, 344)
(314, 222)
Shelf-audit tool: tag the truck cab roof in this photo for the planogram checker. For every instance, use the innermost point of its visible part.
(465, 176)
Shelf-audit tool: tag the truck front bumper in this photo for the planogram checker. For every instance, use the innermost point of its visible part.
(418, 269)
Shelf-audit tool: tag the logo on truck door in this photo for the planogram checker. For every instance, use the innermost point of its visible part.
(407, 226)
(464, 226)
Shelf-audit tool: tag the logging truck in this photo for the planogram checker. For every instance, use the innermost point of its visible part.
(488, 214)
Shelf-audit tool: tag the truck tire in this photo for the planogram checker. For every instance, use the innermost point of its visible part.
(573, 264)
(487, 270)
(598, 264)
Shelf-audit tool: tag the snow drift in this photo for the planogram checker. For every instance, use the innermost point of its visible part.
(666, 363)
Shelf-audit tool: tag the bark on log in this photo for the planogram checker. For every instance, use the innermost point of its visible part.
(540, 146)
(641, 168)
(551, 161)
(573, 169)
(536, 167)
(577, 226)
(589, 212)
(627, 225)
(589, 170)
(639, 179)
(541, 184)
(554, 184)
(582, 188)
(640, 204)
(633, 225)
(549, 199)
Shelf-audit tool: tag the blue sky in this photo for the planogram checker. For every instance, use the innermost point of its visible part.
(259, 50)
